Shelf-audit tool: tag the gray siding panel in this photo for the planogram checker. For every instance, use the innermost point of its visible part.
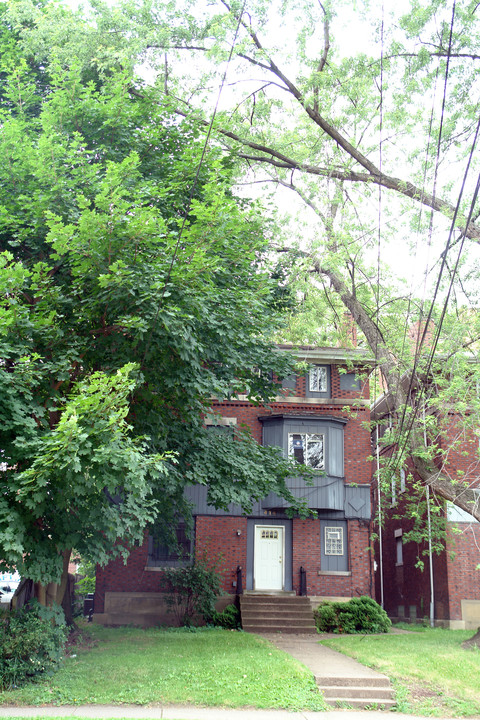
(290, 382)
(357, 501)
(277, 430)
(273, 434)
(326, 493)
(335, 464)
(349, 381)
(334, 563)
(197, 495)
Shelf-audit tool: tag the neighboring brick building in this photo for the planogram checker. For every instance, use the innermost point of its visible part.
(320, 418)
(447, 590)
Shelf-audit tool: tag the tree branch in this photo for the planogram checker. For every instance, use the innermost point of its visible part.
(323, 59)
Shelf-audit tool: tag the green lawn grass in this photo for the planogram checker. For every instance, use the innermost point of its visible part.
(209, 667)
(433, 674)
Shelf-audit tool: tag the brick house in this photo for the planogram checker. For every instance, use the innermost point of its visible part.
(447, 590)
(321, 418)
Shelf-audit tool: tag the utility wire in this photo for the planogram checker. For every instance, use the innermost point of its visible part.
(419, 344)
(379, 491)
(421, 394)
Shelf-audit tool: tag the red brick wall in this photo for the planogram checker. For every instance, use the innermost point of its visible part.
(462, 559)
(461, 447)
(132, 576)
(455, 576)
(217, 537)
(407, 584)
(218, 541)
(306, 554)
(357, 442)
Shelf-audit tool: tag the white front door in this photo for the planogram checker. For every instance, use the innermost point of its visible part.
(269, 558)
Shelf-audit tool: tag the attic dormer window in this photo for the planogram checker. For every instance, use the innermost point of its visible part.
(318, 379)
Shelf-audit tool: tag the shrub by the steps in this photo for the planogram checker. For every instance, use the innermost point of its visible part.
(358, 615)
(229, 618)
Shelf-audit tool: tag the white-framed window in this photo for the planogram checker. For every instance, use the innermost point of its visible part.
(318, 379)
(307, 449)
(399, 546)
(334, 540)
(394, 490)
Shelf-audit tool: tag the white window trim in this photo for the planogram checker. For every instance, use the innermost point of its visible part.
(398, 534)
(314, 377)
(306, 436)
(329, 530)
(403, 480)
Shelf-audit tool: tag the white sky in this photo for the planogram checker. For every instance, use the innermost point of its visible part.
(356, 35)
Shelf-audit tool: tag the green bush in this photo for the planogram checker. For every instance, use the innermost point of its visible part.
(229, 618)
(32, 641)
(358, 615)
(192, 591)
(86, 584)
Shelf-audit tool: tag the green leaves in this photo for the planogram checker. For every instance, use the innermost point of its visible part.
(118, 330)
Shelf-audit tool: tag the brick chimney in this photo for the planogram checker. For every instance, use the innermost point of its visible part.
(348, 331)
(415, 334)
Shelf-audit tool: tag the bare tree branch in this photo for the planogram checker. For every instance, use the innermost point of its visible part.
(323, 59)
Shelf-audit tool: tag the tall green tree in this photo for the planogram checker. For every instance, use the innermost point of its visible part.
(134, 288)
(377, 145)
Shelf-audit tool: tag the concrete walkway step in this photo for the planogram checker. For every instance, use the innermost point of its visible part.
(290, 614)
(273, 621)
(357, 693)
(289, 629)
(376, 681)
(344, 682)
(361, 703)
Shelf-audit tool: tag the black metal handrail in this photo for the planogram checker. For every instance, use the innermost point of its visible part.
(303, 581)
(239, 580)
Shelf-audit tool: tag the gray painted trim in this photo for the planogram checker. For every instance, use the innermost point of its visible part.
(322, 355)
(276, 429)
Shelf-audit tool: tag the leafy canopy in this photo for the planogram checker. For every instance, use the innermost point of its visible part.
(131, 295)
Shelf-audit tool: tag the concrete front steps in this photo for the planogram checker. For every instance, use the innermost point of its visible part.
(360, 693)
(280, 612)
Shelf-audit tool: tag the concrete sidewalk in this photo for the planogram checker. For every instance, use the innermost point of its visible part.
(174, 712)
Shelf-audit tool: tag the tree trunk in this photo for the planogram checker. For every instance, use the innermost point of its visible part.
(461, 496)
(473, 642)
(54, 592)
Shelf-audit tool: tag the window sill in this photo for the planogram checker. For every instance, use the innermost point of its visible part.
(340, 573)
(303, 400)
(165, 566)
